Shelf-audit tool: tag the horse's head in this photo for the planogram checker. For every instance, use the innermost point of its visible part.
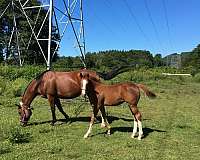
(84, 81)
(24, 113)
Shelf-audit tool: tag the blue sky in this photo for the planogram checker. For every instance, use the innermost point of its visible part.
(160, 26)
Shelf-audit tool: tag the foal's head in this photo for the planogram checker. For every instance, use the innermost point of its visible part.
(24, 113)
(84, 81)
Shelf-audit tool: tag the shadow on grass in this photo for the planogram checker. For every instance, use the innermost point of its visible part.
(82, 119)
(146, 131)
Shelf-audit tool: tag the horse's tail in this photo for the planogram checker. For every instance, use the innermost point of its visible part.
(146, 90)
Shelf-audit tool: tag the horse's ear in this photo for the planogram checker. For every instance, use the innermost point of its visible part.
(81, 75)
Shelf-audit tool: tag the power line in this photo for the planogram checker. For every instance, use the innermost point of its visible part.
(153, 24)
(167, 24)
(120, 23)
(137, 23)
(101, 21)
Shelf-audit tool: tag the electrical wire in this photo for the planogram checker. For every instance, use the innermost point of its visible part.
(153, 24)
(167, 24)
(137, 23)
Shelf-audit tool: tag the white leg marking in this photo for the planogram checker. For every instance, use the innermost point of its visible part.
(89, 131)
(107, 126)
(140, 130)
(103, 125)
(134, 129)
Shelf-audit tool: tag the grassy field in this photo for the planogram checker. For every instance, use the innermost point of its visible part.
(171, 126)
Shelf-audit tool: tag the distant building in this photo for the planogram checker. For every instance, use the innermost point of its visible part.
(173, 60)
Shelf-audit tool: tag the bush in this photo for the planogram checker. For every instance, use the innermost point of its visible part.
(18, 86)
(2, 85)
(17, 135)
(14, 72)
(197, 78)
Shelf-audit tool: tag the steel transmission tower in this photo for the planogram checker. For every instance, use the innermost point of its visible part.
(59, 17)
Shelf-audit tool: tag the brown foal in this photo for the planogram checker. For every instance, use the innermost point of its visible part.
(101, 95)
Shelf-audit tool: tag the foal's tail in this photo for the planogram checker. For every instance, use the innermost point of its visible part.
(146, 90)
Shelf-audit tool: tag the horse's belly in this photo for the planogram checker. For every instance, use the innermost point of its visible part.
(113, 102)
(68, 93)
(67, 89)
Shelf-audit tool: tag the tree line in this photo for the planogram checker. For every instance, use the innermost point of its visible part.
(135, 58)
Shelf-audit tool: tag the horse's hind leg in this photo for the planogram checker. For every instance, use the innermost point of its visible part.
(134, 134)
(58, 104)
(51, 100)
(104, 119)
(137, 116)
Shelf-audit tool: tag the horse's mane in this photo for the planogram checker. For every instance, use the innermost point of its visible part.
(37, 78)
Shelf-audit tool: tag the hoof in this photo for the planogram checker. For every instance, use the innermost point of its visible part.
(108, 132)
(23, 124)
(103, 125)
(85, 136)
(140, 137)
(134, 135)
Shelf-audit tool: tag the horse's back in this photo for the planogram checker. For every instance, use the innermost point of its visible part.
(61, 84)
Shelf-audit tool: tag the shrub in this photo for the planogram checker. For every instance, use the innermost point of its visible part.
(197, 77)
(17, 135)
(2, 85)
(18, 86)
(14, 72)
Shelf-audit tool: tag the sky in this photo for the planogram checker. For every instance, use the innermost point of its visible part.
(159, 26)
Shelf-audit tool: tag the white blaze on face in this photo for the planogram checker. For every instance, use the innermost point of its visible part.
(84, 83)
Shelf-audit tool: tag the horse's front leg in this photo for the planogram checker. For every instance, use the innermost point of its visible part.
(51, 100)
(94, 114)
(103, 124)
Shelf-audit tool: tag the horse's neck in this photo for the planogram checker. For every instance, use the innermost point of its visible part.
(30, 93)
(96, 85)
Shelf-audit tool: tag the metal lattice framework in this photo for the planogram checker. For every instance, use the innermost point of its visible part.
(56, 17)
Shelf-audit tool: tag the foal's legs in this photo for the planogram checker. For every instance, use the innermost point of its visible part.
(58, 104)
(137, 116)
(104, 119)
(134, 128)
(51, 100)
(103, 124)
(94, 114)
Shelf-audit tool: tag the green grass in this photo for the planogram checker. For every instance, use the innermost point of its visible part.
(171, 125)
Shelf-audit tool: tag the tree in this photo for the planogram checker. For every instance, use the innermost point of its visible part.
(158, 60)
(1, 53)
(32, 54)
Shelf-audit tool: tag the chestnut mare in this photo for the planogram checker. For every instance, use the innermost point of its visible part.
(101, 95)
(54, 85)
